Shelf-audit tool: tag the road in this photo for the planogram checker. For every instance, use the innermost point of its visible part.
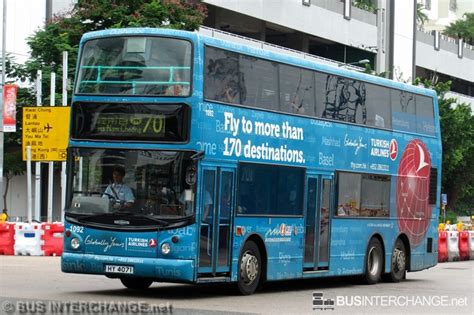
(445, 289)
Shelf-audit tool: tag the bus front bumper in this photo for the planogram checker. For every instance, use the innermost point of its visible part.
(159, 269)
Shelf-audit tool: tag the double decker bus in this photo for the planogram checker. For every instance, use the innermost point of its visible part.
(244, 163)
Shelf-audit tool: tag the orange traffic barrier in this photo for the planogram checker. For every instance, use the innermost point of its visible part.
(7, 238)
(464, 245)
(52, 239)
(443, 246)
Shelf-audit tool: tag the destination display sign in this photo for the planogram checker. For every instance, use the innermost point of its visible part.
(139, 122)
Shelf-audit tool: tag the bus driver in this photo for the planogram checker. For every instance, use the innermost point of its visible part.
(119, 191)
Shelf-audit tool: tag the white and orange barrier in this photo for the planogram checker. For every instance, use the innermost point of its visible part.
(31, 239)
(443, 246)
(464, 245)
(471, 244)
(28, 239)
(52, 239)
(455, 245)
(7, 238)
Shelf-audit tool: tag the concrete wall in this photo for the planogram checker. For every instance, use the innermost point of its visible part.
(17, 198)
(444, 60)
(323, 18)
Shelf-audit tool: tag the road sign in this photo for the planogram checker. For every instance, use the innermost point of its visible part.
(444, 199)
(46, 130)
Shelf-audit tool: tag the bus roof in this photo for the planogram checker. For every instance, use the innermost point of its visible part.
(263, 50)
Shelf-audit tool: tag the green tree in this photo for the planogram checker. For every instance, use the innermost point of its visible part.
(366, 5)
(421, 17)
(457, 132)
(462, 29)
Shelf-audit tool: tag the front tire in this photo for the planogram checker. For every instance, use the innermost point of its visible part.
(399, 262)
(136, 283)
(250, 269)
(373, 262)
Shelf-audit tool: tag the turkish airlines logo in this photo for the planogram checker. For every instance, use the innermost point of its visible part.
(422, 169)
(393, 149)
(152, 243)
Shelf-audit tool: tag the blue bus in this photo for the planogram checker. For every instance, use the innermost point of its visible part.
(196, 159)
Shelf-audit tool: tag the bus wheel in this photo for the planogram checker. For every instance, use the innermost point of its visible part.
(250, 269)
(399, 262)
(136, 283)
(373, 262)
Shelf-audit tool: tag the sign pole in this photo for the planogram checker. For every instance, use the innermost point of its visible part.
(444, 202)
(28, 183)
(63, 164)
(52, 99)
(39, 77)
(4, 42)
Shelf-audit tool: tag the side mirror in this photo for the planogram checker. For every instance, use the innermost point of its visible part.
(191, 175)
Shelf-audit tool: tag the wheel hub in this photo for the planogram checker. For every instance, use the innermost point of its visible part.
(400, 259)
(373, 263)
(249, 267)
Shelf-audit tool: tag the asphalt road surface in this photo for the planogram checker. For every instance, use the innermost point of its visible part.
(36, 285)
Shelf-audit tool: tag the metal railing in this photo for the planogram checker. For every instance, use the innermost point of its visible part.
(219, 34)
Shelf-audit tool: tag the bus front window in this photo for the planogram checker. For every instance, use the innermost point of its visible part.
(144, 182)
(135, 66)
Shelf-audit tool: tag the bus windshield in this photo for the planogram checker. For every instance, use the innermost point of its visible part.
(111, 182)
(135, 66)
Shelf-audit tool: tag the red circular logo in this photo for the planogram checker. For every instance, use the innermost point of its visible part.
(152, 242)
(393, 149)
(413, 191)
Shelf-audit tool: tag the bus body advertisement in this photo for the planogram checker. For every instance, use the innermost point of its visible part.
(193, 159)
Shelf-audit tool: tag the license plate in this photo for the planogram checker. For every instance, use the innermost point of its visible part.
(118, 269)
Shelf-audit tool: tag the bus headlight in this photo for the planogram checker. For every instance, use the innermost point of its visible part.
(165, 248)
(75, 243)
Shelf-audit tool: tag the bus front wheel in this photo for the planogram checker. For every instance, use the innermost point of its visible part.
(373, 262)
(250, 269)
(399, 263)
(136, 283)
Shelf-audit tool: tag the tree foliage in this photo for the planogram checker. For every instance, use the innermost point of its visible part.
(421, 17)
(462, 29)
(366, 5)
(457, 132)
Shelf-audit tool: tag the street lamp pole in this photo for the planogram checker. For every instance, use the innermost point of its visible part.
(4, 41)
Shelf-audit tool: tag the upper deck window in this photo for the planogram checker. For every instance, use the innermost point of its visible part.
(156, 66)
(236, 78)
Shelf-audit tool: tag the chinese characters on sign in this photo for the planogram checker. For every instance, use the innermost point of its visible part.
(46, 130)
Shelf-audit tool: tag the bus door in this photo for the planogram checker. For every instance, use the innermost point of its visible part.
(317, 236)
(216, 220)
